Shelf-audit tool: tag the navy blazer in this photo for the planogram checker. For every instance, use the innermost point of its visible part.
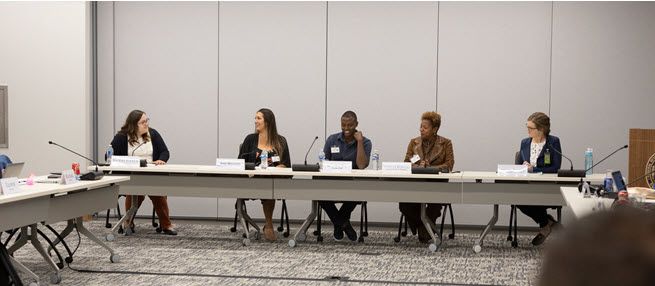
(552, 142)
(159, 149)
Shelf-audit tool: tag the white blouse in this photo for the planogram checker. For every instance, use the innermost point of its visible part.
(535, 150)
(141, 150)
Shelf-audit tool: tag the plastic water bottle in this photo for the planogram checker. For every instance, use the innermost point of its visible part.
(589, 160)
(264, 160)
(376, 159)
(108, 154)
(609, 182)
(321, 158)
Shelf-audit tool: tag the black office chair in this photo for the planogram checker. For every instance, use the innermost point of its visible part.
(403, 223)
(284, 219)
(513, 225)
(120, 228)
(363, 223)
(8, 275)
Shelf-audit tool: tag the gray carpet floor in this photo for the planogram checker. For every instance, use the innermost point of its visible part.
(209, 254)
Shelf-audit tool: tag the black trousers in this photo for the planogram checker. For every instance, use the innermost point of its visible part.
(412, 212)
(341, 216)
(537, 213)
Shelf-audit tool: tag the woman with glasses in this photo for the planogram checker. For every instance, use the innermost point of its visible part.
(427, 150)
(541, 153)
(266, 139)
(136, 138)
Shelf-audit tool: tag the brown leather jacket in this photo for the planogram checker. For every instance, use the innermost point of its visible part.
(440, 155)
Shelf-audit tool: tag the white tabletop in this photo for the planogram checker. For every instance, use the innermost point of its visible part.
(581, 206)
(44, 189)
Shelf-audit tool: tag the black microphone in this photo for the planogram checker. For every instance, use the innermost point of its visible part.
(567, 173)
(249, 165)
(305, 167)
(639, 178)
(91, 175)
(610, 155)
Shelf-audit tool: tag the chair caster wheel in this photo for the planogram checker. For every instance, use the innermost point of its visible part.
(158, 230)
(55, 278)
(115, 258)
(108, 225)
(155, 224)
(121, 230)
(233, 229)
(110, 237)
(433, 247)
(316, 233)
(515, 244)
(404, 233)
(129, 232)
(280, 229)
(301, 237)
(365, 234)
(244, 235)
(509, 238)
(319, 238)
(360, 239)
(285, 234)
(246, 242)
(451, 236)
(477, 248)
(292, 243)
(396, 239)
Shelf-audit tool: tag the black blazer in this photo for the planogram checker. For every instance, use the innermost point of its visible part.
(159, 149)
(250, 152)
(552, 142)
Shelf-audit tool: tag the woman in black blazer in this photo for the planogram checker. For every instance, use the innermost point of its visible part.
(541, 152)
(136, 138)
(266, 138)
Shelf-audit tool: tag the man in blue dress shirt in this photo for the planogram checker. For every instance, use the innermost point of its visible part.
(347, 145)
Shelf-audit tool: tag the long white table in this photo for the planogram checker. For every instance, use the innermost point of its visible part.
(467, 187)
(47, 203)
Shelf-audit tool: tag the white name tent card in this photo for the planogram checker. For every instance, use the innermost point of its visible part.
(337, 167)
(397, 167)
(9, 186)
(231, 164)
(513, 170)
(68, 177)
(125, 161)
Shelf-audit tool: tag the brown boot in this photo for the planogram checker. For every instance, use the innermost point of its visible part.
(269, 233)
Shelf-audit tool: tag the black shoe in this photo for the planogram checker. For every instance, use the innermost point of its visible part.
(169, 231)
(338, 232)
(539, 239)
(350, 232)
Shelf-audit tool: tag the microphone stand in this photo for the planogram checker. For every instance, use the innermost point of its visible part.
(89, 176)
(305, 167)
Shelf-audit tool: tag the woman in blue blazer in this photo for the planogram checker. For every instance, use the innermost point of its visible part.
(541, 152)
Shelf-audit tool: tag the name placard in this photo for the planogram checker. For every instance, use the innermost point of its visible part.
(231, 164)
(9, 186)
(68, 177)
(512, 170)
(397, 167)
(337, 167)
(125, 161)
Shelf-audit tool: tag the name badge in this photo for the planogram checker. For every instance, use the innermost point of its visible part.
(275, 159)
(397, 167)
(337, 167)
(68, 177)
(415, 159)
(231, 164)
(9, 186)
(125, 161)
(547, 157)
(334, 149)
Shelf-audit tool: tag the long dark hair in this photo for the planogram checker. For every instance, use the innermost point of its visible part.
(274, 139)
(131, 127)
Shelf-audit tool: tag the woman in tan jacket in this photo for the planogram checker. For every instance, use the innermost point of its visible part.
(427, 150)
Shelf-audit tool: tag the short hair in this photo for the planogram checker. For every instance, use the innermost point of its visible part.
(605, 248)
(433, 117)
(541, 121)
(349, 114)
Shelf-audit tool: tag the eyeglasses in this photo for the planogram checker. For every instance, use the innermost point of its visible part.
(531, 128)
(144, 122)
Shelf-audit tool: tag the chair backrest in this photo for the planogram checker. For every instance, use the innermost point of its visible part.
(517, 158)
